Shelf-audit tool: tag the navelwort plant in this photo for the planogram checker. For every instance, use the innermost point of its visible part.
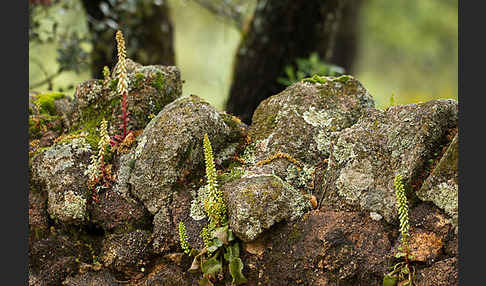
(220, 242)
(99, 172)
(122, 87)
(401, 271)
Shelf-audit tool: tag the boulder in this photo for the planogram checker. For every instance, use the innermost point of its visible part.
(441, 187)
(150, 88)
(171, 147)
(126, 252)
(59, 171)
(303, 119)
(255, 203)
(366, 157)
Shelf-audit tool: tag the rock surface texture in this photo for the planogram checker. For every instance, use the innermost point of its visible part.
(308, 187)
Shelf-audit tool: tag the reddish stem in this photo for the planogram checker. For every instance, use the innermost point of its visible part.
(124, 115)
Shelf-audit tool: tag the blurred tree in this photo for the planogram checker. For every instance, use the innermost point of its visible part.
(283, 31)
(145, 24)
(45, 28)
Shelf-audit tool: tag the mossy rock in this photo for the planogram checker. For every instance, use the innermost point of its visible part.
(366, 157)
(255, 203)
(303, 119)
(441, 187)
(171, 145)
(59, 171)
(94, 99)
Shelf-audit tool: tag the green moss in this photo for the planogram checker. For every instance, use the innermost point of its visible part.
(139, 78)
(234, 174)
(113, 84)
(45, 102)
(158, 81)
(315, 79)
(343, 78)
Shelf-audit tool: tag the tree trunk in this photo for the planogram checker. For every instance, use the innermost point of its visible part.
(148, 34)
(282, 31)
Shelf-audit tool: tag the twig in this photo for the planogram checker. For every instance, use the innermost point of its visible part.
(47, 80)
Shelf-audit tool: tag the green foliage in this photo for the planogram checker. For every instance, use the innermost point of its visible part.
(401, 271)
(139, 77)
(218, 238)
(306, 67)
(402, 205)
(315, 79)
(158, 81)
(183, 238)
(113, 84)
(213, 204)
(45, 102)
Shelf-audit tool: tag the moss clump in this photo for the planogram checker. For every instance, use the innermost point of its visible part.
(343, 78)
(234, 174)
(315, 79)
(45, 102)
(113, 84)
(158, 81)
(139, 78)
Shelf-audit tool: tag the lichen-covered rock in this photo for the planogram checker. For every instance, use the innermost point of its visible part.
(150, 88)
(126, 252)
(319, 249)
(441, 187)
(367, 156)
(255, 203)
(166, 221)
(302, 119)
(60, 172)
(171, 146)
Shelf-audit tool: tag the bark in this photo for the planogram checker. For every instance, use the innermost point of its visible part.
(282, 31)
(148, 33)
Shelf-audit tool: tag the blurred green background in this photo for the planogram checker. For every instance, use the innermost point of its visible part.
(408, 48)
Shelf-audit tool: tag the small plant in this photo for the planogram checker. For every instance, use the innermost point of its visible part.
(122, 87)
(220, 243)
(99, 173)
(183, 237)
(401, 271)
(307, 67)
(106, 76)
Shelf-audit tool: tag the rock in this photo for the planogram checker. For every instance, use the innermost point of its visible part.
(150, 89)
(319, 249)
(442, 273)
(126, 252)
(46, 116)
(52, 259)
(60, 172)
(302, 119)
(367, 156)
(114, 213)
(255, 203)
(167, 274)
(166, 221)
(441, 187)
(92, 278)
(171, 146)
(38, 224)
